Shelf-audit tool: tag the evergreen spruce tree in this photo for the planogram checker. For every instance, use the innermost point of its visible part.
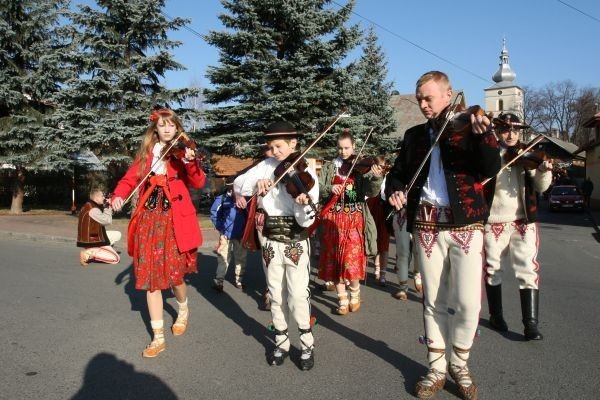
(371, 96)
(279, 59)
(122, 52)
(31, 71)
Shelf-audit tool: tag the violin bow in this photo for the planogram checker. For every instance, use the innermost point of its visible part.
(508, 164)
(449, 116)
(340, 115)
(357, 155)
(171, 145)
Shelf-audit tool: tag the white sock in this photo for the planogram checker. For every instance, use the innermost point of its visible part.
(157, 328)
(183, 308)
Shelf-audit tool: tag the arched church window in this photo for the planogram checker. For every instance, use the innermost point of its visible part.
(500, 105)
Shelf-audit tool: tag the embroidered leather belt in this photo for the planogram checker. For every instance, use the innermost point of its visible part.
(347, 207)
(430, 217)
(159, 192)
(284, 229)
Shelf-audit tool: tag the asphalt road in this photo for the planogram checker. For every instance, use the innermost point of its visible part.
(77, 333)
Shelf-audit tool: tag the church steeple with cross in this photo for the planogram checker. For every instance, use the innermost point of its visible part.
(504, 95)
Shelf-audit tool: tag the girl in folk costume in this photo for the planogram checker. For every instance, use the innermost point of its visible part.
(163, 233)
(376, 206)
(348, 230)
(284, 241)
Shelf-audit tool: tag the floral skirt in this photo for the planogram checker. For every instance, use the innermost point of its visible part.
(343, 244)
(158, 264)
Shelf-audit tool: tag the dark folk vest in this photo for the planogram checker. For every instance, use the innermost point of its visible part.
(90, 233)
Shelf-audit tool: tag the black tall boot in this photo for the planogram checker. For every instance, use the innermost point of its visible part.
(529, 308)
(494, 297)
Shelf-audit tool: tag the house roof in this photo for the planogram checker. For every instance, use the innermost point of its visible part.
(229, 165)
(407, 112)
(559, 148)
(593, 121)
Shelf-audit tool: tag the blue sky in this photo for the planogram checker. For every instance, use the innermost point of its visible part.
(547, 40)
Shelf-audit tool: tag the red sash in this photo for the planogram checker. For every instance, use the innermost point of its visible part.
(155, 180)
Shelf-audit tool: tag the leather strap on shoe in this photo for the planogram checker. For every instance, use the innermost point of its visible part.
(281, 333)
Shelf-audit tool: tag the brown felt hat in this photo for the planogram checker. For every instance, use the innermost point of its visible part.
(281, 129)
(509, 120)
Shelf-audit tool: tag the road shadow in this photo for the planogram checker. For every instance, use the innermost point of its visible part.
(410, 369)
(227, 305)
(137, 298)
(107, 377)
(510, 335)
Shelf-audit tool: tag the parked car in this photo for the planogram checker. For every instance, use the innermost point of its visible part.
(567, 197)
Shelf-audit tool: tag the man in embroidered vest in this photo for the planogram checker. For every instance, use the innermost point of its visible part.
(92, 234)
(446, 211)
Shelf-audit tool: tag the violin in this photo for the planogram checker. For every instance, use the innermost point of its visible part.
(363, 165)
(460, 124)
(529, 160)
(298, 180)
(177, 151)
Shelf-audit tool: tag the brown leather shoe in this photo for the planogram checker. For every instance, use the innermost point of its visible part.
(153, 349)
(400, 295)
(466, 386)
(83, 257)
(180, 326)
(418, 283)
(430, 384)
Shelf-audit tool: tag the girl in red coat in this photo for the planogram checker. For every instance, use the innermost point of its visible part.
(163, 234)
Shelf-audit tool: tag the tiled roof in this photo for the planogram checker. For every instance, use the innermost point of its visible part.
(407, 112)
(229, 165)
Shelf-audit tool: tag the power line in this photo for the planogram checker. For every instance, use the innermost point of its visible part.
(416, 45)
(184, 26)
(578, 10)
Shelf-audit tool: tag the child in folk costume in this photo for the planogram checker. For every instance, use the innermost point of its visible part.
(163, 234)
(349, 234)
(229, 220)
(94, 216)
(258, 219)
(511, 231)
(377, 208)
(285, 244)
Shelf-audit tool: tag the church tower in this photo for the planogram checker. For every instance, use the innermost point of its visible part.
(504, 95)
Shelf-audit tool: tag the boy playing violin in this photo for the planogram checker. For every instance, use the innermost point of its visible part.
(285, 245)
(511, 231)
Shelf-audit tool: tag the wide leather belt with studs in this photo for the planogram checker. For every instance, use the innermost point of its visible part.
(284, 229)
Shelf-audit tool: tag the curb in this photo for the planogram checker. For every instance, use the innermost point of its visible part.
(35, 236)
(207, 244)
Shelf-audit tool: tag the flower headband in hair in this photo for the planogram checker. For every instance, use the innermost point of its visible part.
(154, 116)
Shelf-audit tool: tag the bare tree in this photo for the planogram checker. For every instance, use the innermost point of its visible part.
(560, 98)
(194, 121)
(584, 108)
(560, 106)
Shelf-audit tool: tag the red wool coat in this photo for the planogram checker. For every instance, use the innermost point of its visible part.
(180, 175)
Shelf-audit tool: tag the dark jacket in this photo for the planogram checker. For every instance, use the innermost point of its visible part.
(467, 160)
